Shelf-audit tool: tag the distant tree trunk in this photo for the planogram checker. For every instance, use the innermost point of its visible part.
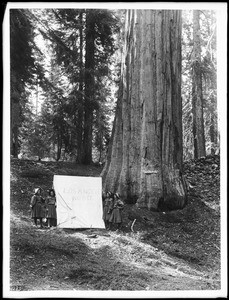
(80, 116)
(89, 88)
(15, 117)
(213, 112)
(59, 146)
(197, 98)
(144, 160)
(14, 142)
(213, 125)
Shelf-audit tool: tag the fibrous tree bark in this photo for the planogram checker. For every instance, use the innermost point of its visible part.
(197, 97)
(144, 160)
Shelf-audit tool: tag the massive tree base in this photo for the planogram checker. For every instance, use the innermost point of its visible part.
(144, 160)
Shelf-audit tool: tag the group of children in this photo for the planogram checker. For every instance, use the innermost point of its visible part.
(112, 211)
(43, 209)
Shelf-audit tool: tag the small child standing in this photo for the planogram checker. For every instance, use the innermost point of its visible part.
(51, 208)
(37, 206)
(116, 215)
(107, 209)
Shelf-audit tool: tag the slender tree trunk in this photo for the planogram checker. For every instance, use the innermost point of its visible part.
(14, 145)
(89, 88)
(59, 146)
(15, 121)
(197, 98)
(144, 161)
(214, 123)
(80, 97)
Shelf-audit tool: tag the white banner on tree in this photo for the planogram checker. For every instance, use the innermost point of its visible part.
(79, 201)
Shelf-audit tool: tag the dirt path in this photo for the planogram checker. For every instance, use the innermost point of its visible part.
(61, 259)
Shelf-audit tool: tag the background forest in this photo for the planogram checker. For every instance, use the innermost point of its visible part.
(65, 74)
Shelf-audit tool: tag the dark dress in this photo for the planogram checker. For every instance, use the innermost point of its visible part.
(51, 207)
(107, 208)
(116, 215)
(37, 207)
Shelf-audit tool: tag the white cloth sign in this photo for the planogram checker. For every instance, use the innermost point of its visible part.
(79, 201)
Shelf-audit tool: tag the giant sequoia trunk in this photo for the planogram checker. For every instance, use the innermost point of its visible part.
(144, 161)
(197, 98)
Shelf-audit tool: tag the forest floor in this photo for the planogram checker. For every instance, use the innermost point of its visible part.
(177, 250)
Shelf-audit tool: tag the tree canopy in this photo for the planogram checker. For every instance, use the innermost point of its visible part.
(72, 81)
